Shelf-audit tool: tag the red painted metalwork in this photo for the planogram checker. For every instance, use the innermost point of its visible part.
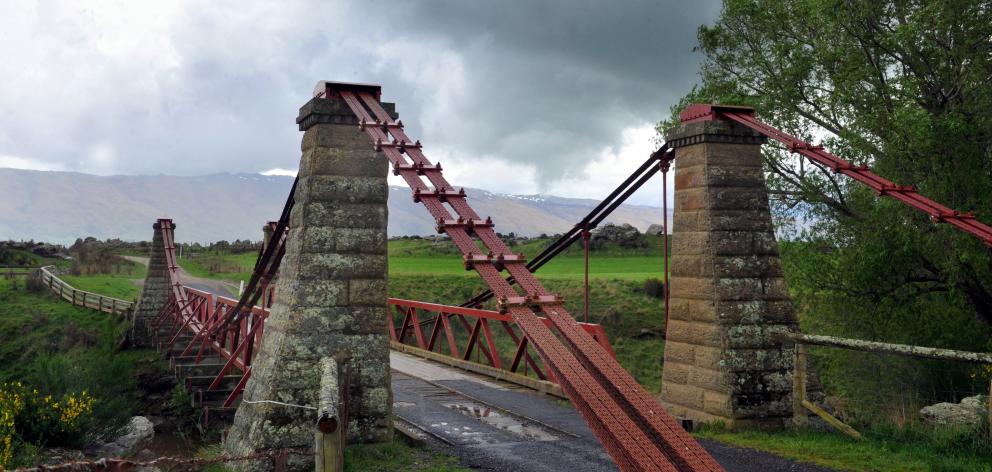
(219, 327)
(480, 331)
(585, 281)
(883, 187)
(592, 220)
(633, 428)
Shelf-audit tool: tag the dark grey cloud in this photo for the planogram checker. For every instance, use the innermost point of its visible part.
(204, 87)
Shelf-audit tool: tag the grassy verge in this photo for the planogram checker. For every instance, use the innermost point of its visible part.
(58, 349)
(397, 456)
(884, 449)
(233, 267)
(123, 279)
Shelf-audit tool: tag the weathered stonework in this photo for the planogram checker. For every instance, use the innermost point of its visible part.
(727, 292)
(330, 295)
(154, 292)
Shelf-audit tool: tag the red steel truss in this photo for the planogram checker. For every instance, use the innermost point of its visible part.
(474, 332)
(883, 187)
(195, 326)
(633, 427)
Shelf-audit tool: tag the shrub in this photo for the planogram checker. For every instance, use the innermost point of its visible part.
(105, 377)
(33, 416)
(654, 288)
(34, 282)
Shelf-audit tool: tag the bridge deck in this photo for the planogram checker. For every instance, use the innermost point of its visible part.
(493, 425)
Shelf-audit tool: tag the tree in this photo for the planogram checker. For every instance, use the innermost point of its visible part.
(902, 86)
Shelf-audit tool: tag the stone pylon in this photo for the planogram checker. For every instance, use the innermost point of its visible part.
(154, 293)
(330, 296)
(728, 294)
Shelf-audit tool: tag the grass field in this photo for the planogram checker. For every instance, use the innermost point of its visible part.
(423, 257)
(883, 449)
(125, 284)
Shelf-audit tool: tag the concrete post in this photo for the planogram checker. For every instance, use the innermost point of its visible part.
(330, 296)
(728, 294)
(154, 293)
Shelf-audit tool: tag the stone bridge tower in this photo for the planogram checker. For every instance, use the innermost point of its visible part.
(330, 295)
(155, 292)
(728, 294)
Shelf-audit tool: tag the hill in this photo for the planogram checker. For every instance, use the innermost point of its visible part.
(62, 206)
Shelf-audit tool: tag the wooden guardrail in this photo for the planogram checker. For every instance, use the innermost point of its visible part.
(93, 301)
(799, 401)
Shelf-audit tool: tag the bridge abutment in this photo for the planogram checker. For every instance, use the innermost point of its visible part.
(728, 293)
(330, 295)
(154, 292)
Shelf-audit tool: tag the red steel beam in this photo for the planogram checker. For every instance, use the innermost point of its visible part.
(883, 187)
(626, 419)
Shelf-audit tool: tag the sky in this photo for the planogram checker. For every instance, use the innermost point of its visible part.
(518, 97)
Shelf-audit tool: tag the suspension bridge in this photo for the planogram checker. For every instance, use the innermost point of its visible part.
(318, 295)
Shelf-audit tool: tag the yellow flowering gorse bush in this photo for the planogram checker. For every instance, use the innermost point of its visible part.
(29, 415)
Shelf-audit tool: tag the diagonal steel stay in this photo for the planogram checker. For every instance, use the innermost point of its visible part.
(906, 194)
(635, 430)
(638, 178)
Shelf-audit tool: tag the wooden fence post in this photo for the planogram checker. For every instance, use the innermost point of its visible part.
(332, 420)
(799, 414)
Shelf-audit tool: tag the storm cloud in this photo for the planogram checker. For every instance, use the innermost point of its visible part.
(512, 96)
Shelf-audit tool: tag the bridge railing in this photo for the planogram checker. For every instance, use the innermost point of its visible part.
(93, 301)
(493, 338)
(235, 345)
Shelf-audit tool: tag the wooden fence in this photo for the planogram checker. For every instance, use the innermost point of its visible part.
(799, 401)
(93, 301)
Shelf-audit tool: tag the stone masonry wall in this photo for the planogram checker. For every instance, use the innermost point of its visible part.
(727, 289)
(154, 292)
(330, 295)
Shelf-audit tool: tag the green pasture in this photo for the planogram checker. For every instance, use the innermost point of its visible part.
(425, 257)
(124, 284)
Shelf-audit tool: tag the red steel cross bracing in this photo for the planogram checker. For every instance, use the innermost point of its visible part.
(633, 427)
(907, 194)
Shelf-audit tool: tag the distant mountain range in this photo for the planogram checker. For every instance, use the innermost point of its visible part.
(62, 206)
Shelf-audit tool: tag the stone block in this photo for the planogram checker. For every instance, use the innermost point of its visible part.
(739, 220)
(735, 177)
(341, 215)
(371, 292)
(677, 373)
(691, 265)
(341, 266)
(760, 359)
(692, 287)
(345, 189)
(687, 243)
(688, 396)
(745, 266)
(692, 199)
(709, 357)
(697, 333)
(706, 379)
(690, 177)
(314, 293)
(679, 352)
(717, 404)
(332, 161)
